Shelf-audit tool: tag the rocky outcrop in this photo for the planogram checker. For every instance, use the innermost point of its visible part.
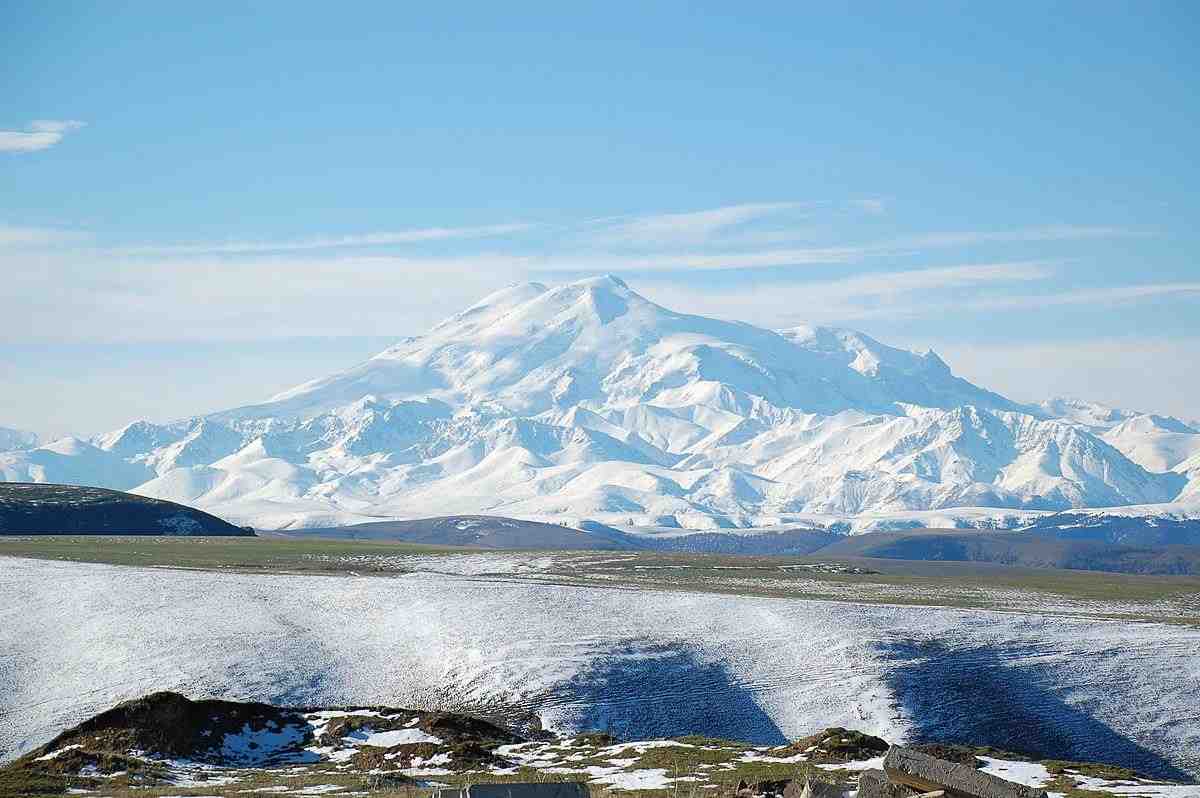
(234, 748)
(909, 768)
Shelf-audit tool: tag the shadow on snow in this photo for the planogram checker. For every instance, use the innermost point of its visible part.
(639, 693)
(978, 696)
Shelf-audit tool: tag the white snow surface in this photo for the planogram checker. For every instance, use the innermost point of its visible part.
(1031, 774)
(386, 739)
(587, 401)
(14, 439)
(1137, 789)
(78, 638)
(1155, 442)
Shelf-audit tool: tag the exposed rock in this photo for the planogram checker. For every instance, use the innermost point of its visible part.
(546, 789)
(166, 740)
(874, 784)
(836, 745)
(810, 788)
(961, 754)
(927, 773)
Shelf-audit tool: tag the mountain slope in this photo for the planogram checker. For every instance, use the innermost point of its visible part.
(588, 401)
(530, 349)
(485, 532)
(13, 439)
(1156, 443)
(1036, 548)
(72, 461)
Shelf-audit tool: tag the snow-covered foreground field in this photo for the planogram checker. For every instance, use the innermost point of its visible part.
(75, 638)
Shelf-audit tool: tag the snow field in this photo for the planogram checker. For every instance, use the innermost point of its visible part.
(77, 638)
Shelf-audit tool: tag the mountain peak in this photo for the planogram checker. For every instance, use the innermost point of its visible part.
(603, 281)
(13, 439)
(587, 400)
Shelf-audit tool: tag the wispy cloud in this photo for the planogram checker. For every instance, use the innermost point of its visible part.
(331, 242)
(868, 295)
(692, 227)
(892, 293)
(1027, 234)
(239, 297)
(901, 246)
(1114, 371)
(930, 293)
(1113, 295)
(717, 238)
(702, 224)
(683, 261)
(877, 284)
(38, 135)
(923, 293)
(37, 236)
(872, 205)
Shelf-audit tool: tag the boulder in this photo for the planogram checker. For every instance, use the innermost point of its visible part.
(925, 773)
(545, 789)
(875, 784)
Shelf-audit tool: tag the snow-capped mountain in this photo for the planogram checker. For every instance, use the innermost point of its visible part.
(71, 461)
(12, 439)
(1156, 443)
(588, 401)
(1092, 415)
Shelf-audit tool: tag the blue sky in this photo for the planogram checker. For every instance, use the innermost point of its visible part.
(202, 206)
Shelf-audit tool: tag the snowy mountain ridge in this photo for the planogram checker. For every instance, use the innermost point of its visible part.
(12, 439)
(587, 401)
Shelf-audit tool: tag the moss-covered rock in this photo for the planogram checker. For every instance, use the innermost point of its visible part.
(836, 745)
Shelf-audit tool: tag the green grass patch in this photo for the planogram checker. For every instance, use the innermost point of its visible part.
(258, 554)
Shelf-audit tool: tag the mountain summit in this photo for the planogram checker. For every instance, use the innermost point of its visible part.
(532, 349)
(589, 401)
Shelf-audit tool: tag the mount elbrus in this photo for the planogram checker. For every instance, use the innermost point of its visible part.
(589, 402)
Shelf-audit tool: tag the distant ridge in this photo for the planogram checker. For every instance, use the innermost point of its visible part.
(482, 531)
(1026, 549)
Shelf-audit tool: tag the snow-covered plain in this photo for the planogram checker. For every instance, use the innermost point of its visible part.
(76, 638)
(587, 401)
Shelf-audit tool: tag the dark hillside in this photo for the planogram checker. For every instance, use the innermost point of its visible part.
(28, 508)
(484, 531)
(1027, 548)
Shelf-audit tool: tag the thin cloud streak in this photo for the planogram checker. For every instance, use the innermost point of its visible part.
(1143, 373)
(1029, 234)
(16, 237)
(871, 205)
(40, 134)
(332, 242)
(904, 246)
(699, 260)
(869, 295)
(898, 308)
(674, 228)
(1098, 296)
(218, 298)
(664, 242)
(222, 297)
